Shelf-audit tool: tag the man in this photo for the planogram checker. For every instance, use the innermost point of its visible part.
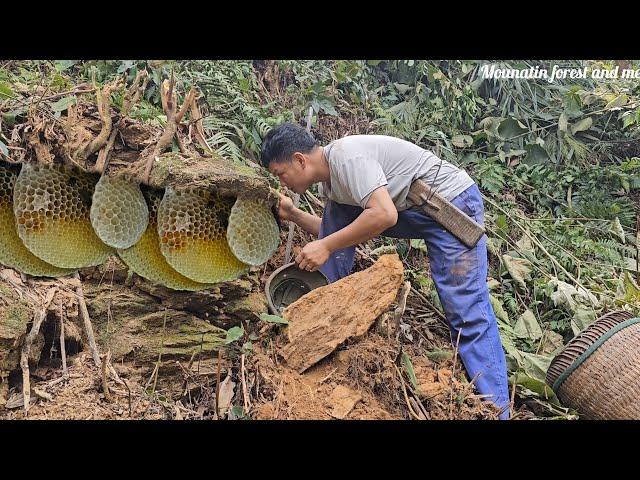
(366, 179)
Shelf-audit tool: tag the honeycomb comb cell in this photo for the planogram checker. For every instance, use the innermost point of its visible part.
(119, 213)
(253, 233)
(146, 259)
(51, 204)
(13, 253)
(192, 227)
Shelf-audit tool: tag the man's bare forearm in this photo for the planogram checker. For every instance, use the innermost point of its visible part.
(306, 221)
(368, 225)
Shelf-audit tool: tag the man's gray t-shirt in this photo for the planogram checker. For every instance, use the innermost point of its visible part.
(359, 164)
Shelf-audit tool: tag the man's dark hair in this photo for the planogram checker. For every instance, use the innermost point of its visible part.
(283, 141)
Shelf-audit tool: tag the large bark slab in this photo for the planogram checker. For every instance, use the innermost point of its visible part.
(327, 316)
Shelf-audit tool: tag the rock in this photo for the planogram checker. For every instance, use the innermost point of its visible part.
(327, 316)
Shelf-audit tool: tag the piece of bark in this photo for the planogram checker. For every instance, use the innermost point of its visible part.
(342, 401)
(327, 316)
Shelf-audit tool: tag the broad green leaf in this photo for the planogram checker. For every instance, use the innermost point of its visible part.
(535, 366)
(418, 243)
(439, 355)
(498, 309)
(527, 326)
(569, 297)
(510, 128)
(582, 125)
(617, 102)
(582, 318)
(64, 103)
(383, 250)
(536, 386)
(462, 141)
(5, 91)
(234, 334)
(536, 154)
(518, 268)
(628, 290)
(410, 371)
(273, 319)
(62, 65)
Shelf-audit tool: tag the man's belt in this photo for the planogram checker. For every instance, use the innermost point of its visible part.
(454, 220)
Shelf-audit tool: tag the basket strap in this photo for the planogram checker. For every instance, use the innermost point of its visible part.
(578, 361)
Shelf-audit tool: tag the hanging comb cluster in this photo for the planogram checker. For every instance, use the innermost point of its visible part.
(55, 219)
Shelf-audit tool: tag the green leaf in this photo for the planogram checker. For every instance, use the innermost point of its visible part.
(582, 125)
(410, 371)
(569, 297)
(62, 104)
(628, 290)
(234, 334)
(498, 309)
(536, 386)
(62, 65)
(419, 244)
(562, 122)
(3, 148)
(273, 319)
(616, 227)
(510, 128)
(518, 268)
(617, 102)
(527, 326)
(439, 355)
(582, 318)
(6, 90)
(462, 141)
(535, 366)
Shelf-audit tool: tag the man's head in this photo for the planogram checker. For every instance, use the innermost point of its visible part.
(290, 153)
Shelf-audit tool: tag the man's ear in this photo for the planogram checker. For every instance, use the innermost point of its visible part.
(300, 158)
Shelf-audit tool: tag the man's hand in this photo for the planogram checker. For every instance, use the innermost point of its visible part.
(285, 208)
(313, 256)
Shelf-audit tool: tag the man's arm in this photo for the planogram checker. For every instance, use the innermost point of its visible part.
(309, 223)
(379, 214)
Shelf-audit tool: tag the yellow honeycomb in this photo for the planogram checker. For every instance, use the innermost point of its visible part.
(146, 259)
(192, 226)
(119, 213)
(253, 233)
(13, 253)
(51, 205)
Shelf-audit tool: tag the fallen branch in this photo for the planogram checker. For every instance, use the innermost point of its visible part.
(105, 385)
(86, 321)
(63, 352)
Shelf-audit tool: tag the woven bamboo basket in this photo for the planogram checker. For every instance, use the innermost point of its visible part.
(598, 372)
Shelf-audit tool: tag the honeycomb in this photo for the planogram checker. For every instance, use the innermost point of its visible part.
(13, 253)
(119, 213)
(253, 233)
(146, 259)
(51, 205)
(192, 227)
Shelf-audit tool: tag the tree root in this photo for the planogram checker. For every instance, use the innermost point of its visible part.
(174, 117)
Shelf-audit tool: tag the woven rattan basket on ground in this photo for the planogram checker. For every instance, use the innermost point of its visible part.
(598, 372)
